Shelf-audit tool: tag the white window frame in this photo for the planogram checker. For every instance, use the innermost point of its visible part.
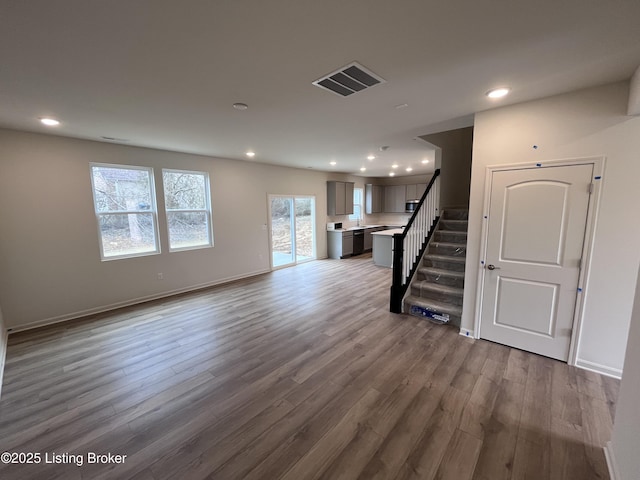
(353, 216)
(153, 211)
(207, 210)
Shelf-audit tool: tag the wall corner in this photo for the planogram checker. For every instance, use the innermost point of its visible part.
(610, 458)
(634, 94)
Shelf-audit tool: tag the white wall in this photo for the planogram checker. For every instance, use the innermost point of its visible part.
(586, 123)
(50, 266)
(455, 165)
(626, 428)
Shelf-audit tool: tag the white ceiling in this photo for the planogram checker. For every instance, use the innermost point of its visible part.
(165, 73)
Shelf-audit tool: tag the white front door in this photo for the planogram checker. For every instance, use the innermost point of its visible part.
(535, 237)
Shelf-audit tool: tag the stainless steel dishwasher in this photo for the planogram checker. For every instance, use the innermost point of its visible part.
(358, 241)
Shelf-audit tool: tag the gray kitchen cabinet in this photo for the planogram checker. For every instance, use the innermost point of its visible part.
(339, 198)
(348, 186)
(411, 193)
(368, 239)
(395, 198)
(339, 243)
(415, 191)
(374, 198)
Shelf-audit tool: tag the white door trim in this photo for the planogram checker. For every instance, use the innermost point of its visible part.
(598, 163)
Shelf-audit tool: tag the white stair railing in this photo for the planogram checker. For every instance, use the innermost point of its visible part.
(409, 245)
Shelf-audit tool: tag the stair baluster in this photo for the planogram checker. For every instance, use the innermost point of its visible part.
(409, 245)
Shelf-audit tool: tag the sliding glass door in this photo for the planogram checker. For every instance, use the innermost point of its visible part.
(292, 229)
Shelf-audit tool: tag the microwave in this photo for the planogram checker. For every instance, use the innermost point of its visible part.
(411, 205)
(334, 226)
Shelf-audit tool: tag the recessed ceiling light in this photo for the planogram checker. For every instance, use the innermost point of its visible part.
(498, 92)
(409, 169)
(251, 154)
(363, 169)
(49, 122)
(391, 174)
(371, 157)
(426, 160)
(240, 106)
(395, 165)
(332, 162)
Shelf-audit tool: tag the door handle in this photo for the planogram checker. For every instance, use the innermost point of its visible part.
(492, 267)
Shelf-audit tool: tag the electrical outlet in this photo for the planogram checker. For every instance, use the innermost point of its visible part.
(160, 276)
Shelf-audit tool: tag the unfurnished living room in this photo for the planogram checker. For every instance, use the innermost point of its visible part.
(304, 240)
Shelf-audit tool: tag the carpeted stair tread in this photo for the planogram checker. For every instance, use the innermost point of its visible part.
(453, 221)
(440, 271)
(451, 236)
(456, 225)
(446, 258)
(442, 289)
(448, 244)
(456, 214)
(453, 232)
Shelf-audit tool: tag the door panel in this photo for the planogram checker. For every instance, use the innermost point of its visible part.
(537, 298)
(292, 229)
(535, 235)
(282, 231)
(305, 228)
(525, 219)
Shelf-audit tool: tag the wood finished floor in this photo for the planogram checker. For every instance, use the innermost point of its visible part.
(299, 374)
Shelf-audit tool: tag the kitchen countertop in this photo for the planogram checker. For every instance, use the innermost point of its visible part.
(363, 227)
(389, 233)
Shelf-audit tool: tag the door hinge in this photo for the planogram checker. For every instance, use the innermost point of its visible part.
(591, 188)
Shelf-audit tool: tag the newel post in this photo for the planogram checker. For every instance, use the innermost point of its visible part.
(396, 284)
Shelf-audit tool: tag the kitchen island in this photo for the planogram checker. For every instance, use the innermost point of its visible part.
(383, 247)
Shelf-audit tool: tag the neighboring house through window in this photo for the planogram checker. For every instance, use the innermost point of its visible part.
(125, 206)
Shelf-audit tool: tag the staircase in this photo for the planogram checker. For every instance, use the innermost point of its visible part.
(436, 293)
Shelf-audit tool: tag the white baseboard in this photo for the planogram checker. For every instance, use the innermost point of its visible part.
(467, 333)
(127, 303)
(598, 368)
(612, 465)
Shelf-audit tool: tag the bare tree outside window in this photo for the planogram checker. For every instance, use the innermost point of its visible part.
(188, 206)
(125, 210)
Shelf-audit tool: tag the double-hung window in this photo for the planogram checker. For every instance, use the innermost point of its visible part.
(125, 206)
(357, 204)
(188, 206)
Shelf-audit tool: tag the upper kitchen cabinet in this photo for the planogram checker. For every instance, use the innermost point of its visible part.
(395, 198)
(415, 191)
(374, 198)
(348, 204)
(340, 198)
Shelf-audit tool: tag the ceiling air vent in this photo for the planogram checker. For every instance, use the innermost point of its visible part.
(348, 80)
